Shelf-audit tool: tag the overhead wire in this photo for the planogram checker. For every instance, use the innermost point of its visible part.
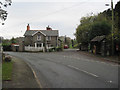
(52, 13)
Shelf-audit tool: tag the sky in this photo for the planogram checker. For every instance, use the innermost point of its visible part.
(62, 15)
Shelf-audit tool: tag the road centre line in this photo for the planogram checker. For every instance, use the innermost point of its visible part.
(79, 69)
(91, 61)
(109, 81)
(83, 71)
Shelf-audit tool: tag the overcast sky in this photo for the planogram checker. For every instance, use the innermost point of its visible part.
(63, 15)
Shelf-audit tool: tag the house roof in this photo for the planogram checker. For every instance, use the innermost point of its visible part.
(15, 44)
(46, 32)
(98, 38)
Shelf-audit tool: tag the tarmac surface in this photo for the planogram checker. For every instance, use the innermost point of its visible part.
(71, 69)
(22, 76)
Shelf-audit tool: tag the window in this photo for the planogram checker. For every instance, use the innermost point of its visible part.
(39, 45)
(48, 38)
(38, 37)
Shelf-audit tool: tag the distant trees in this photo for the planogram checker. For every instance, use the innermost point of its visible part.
(65, 40)
(6, 43)
(3, 12)
(9, 41)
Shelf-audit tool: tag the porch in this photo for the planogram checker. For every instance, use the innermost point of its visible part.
(31, 48)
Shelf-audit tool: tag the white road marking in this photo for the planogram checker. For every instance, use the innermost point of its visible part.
(35, 75)
(83, 71)
(92, 61)
(109, 81)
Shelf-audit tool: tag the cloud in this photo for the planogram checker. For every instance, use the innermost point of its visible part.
(62, 0)
(62, 16)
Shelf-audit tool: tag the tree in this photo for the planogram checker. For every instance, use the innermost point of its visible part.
(83, 29)
(91, 27)
(117, 14)
(13, 40)
(3, 12)
(99, 28)
(108, 14)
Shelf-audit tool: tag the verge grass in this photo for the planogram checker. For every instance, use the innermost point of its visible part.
(7, 70)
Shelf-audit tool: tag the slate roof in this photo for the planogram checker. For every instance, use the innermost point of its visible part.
(46, 32)
(98, 38)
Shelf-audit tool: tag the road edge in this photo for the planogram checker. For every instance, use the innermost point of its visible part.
(36, 78)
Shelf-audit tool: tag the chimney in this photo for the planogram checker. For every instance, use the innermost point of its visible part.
(28, 27)
(48, 28)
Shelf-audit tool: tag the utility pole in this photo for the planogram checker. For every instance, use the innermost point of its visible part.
(112, 32)
(112, 27)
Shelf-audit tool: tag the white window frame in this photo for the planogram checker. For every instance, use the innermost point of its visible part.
(48, 38)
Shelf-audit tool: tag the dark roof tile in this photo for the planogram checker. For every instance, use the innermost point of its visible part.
(98, 38)
(46, 32)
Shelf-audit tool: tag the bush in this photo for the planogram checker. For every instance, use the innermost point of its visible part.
(8, 58)
(3, 56)
(76, 46)
(58, 49)
(50, 50)
(7, 48)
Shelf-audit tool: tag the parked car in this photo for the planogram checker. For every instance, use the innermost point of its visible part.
(65, 46)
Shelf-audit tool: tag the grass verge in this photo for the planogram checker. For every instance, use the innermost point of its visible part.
(7, 70)
(0, 72)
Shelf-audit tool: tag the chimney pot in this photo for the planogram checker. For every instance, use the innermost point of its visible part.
(28, 27)
(48, 28)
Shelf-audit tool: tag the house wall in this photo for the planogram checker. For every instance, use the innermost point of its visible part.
(28, 40)
(54, 41)
(21, 46)
(20, 42)
(15, 48)
(35, 38)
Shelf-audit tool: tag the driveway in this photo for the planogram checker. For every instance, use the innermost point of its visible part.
(70, 69)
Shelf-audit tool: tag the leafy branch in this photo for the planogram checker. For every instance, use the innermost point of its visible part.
(3, 12)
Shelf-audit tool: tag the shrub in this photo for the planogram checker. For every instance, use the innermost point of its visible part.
(76, 46)
(50, 50)
(58, 49)
(8, 58)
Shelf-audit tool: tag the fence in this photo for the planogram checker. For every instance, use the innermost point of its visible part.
(29, 48)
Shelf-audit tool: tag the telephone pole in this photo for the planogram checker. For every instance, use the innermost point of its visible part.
(112, 27)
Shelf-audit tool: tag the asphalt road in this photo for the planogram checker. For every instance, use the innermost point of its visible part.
(70, 69)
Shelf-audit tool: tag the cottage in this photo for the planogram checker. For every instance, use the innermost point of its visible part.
(37, 40)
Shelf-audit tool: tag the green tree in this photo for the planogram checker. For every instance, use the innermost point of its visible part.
(3, 12)
(83, 29)
(99, 28)
(13, 40)
(91, 27)
(117, 15)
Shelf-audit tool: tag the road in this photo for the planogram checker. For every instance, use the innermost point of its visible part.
(70, 69)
